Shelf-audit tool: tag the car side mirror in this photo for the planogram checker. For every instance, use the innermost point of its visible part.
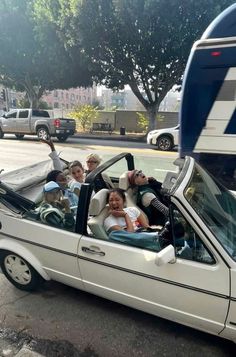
(166, 255)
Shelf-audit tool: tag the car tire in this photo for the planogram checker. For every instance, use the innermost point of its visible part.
(164, 143)
(1, 134)
(43, 133)
(19, 136)
(62, 138)
(19, 272)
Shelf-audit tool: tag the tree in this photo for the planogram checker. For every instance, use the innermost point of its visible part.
(33, 57)
(143, 121)
(84, 115)
(142, 43)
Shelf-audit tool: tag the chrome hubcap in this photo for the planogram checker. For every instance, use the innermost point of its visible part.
(42, 134)
(17, 269)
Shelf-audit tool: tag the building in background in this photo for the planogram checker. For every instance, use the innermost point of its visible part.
(68, 99)
(127, 100)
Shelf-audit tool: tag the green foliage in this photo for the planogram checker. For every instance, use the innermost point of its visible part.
(84, 116)
(143, 120)
(143, 43)
(33, 56)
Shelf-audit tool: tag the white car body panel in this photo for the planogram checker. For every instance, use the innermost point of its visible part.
(201, 291)
(155, 134)
(55, 249)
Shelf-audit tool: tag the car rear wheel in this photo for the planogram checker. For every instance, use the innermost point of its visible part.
(1, 134)
(62, 138)
(19, 272)
(42, 133)
(164, 143)
(19, 136)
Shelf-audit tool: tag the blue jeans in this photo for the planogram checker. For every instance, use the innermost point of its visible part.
(142, 240)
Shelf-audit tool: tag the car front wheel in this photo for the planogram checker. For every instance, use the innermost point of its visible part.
(164, 143)
(19, 272)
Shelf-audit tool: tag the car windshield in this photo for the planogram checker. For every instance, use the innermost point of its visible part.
(215, 205)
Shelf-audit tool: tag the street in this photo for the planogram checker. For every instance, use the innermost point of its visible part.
(61, 321)
(30, 150)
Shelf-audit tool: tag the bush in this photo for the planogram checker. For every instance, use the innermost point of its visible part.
(84, 115)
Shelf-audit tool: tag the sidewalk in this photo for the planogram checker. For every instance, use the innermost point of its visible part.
(139, 137)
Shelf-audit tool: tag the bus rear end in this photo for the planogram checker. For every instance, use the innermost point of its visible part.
(208, 106)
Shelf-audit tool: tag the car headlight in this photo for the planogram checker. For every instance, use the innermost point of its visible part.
(153, 132)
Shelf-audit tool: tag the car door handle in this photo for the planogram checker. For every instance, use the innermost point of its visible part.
(92, 251)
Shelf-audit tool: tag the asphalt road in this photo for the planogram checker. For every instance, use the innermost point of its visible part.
(19, 153)
(61, 321)
(67, 322)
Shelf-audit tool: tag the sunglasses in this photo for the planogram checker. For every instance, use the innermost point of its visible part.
(91, 162)
(139, 173)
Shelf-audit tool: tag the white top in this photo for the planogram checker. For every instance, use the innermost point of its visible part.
(111, 221)
(57, 164)
(73, 184)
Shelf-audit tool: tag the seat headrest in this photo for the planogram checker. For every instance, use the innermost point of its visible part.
(98, 202)
(124, 181)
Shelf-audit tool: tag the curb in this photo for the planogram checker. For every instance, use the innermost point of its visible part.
(111, 137)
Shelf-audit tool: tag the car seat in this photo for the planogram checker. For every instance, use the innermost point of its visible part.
(125, 185)
(98, 211)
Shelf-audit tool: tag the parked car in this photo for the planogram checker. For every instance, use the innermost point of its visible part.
(34, 121)
(164, 139)
(193, 282)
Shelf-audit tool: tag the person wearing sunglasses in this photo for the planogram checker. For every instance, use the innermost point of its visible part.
(149, 197)
(102, 180)
(92, 161)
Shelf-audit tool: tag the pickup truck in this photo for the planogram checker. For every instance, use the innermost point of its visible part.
(35, 121)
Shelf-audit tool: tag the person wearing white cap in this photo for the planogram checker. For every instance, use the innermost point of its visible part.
(55, 210)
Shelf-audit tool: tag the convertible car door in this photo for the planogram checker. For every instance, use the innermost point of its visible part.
(195, 293)
(55, 249)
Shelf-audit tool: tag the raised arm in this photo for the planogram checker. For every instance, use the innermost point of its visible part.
(57, 165)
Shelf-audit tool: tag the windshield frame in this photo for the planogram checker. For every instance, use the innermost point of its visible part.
(215, 205)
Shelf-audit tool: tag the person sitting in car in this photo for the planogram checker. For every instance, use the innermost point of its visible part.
(149, 197)
(55, 209)
(125, 224)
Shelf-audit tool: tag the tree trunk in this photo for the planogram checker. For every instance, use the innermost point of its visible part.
(152, 111)
(34, 93)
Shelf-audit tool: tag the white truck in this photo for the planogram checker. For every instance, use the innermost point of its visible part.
(35, 121)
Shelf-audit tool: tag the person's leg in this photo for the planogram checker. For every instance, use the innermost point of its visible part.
(142, 239)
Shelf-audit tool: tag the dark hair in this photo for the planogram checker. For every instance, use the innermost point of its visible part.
(52, 175)
(75, 163)
(119, 191)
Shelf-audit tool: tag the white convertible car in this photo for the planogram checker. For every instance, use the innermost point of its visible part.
(193, 283)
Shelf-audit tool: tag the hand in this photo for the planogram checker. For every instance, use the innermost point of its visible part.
(116, 213)
(49, 142)
(65, 204)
